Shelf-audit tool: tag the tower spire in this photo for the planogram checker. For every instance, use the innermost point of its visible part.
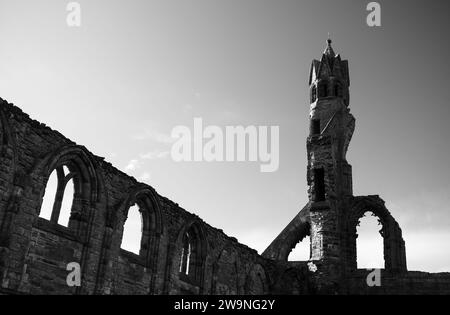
(329, 50)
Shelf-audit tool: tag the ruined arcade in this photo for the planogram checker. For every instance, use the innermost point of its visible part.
(180, 253)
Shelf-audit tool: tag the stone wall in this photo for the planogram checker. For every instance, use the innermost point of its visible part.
(34, 252)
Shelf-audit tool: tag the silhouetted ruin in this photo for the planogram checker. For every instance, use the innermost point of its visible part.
(180, 253)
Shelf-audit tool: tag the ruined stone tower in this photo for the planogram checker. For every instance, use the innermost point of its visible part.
(329, 175)
(332, 125)
(332, 213)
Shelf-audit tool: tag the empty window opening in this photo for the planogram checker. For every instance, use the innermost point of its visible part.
(323, 90)
(132, 231)
(186, 253)
(66, 205)
(313, 94)
(188, 259)
(319, 184)
(302, 251)
(58, 197)
(49, 197)
(315, 127)
(337, 90)
(369, 243)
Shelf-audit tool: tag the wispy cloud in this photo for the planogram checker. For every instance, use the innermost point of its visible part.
(155, 154)
(136, 163)
(155, 136)
(132, 165)
(145, 177)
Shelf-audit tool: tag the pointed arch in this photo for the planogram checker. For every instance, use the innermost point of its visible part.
(292, 234)
(325, 69)
(145, 198)
(225, 275)
(393, 243)
(82, 171)
(88, 187)
(144, 263)
(192, 254)
(148, 198)
(257, 282)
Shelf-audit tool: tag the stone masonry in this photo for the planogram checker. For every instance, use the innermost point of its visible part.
(180, 253)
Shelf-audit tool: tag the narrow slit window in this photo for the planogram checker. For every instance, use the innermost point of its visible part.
(315, 127)
(323, 90)
(319, 184)
(49, 197)
(313, 94)
(185, 255)
(337, 90)
(66, 204)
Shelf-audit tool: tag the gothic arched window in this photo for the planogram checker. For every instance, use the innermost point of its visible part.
(141, 227)
(58, 198)
(369, 243)
(193, 253)
(69, 191)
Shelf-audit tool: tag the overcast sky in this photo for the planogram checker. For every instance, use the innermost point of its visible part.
(136, 69)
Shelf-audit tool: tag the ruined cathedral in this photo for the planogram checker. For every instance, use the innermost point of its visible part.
(179, 252)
